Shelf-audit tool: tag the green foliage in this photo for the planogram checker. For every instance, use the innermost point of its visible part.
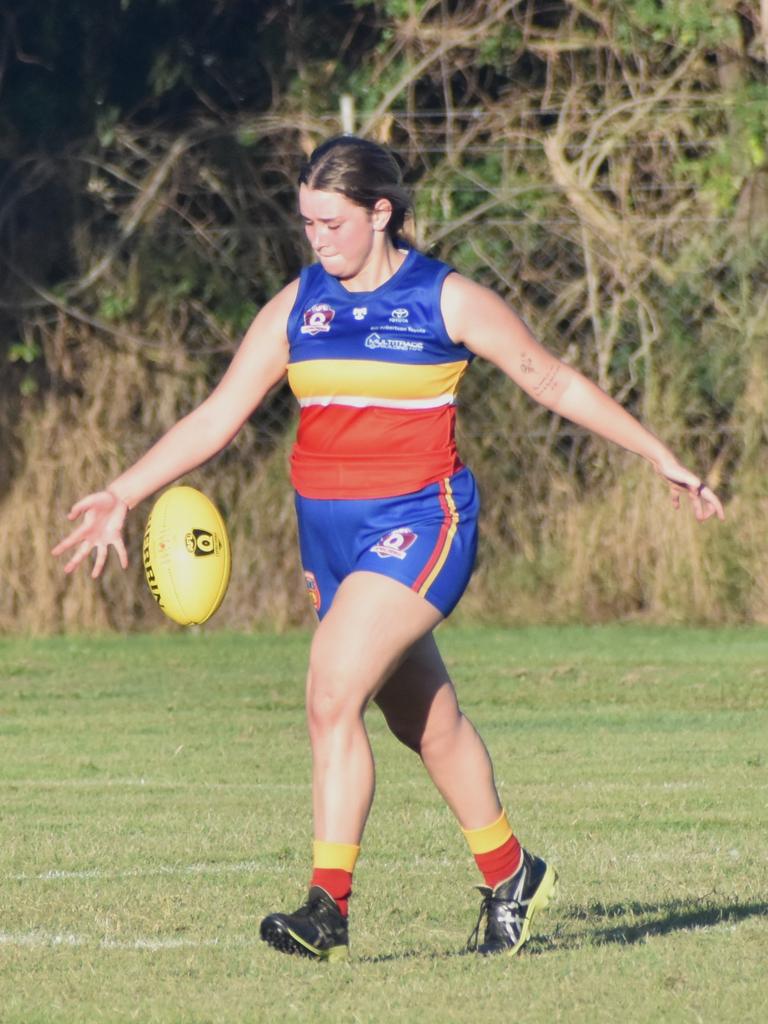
(720, 169)
(700, 370)
(165, 73)
(114, 307)
(683, 24)
(247, 136)
(750, 107)
(24, 351)
(499, 47)
(393, 9)
(104, 125)
(368, 93)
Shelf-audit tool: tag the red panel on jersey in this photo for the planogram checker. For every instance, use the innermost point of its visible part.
(347, 452)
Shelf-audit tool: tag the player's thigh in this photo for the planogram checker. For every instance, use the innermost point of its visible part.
(418, 699)
(373, 622)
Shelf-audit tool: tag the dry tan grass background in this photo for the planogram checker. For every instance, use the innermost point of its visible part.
(618, 199)
(553, 549)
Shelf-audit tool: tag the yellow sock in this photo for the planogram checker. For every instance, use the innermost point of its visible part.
(490, 837)
(496, 850)
(342, 856)
(332, 867)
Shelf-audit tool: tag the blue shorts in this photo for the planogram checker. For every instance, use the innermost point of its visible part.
(427, 540)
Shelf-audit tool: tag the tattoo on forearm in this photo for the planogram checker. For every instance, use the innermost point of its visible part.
(526, 364)
(548, 382)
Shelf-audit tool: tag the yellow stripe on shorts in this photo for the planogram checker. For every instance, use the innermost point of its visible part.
(446, 548)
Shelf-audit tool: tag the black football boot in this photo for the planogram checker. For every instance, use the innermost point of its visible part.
(317, 930)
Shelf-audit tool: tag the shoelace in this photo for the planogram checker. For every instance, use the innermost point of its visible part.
(309, 908)
(485, 911)
(317, 911)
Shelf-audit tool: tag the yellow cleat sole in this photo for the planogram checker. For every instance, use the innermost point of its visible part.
(545, 893)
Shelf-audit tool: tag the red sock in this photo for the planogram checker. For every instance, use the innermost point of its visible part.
(501, 863)
(337, 883)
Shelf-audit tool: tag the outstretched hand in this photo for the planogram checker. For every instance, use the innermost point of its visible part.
(103, 517)
(703, 499)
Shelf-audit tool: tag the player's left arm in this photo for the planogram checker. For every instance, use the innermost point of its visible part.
(481, 319)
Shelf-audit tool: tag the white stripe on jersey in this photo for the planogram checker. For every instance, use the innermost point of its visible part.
(363, 402)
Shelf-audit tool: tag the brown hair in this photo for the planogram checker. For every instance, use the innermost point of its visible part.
(362, 171)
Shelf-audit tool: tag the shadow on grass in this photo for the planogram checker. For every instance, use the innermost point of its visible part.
(634, 923)
(410, 954)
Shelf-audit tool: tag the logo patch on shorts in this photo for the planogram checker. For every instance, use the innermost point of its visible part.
(317, 319)
(312, 589)
(395, 544)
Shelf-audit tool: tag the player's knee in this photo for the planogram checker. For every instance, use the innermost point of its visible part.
(324, 711)
(330, 700)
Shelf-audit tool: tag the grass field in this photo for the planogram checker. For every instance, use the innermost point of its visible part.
(155, 804)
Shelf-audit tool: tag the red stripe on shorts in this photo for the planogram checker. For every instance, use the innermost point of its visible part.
(438, 548)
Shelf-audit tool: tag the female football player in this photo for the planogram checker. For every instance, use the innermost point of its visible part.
(374, 338)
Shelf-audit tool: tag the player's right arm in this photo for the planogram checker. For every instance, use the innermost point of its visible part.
(259, 363)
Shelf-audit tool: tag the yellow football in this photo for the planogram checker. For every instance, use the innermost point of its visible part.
(187, 557)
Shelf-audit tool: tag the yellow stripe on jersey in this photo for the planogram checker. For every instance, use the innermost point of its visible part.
(446, 544)
(328, 379)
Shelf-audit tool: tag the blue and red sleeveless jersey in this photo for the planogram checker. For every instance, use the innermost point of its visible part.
(376, 377)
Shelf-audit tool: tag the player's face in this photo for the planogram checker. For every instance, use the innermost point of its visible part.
(341, 233)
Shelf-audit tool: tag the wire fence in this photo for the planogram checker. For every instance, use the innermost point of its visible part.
(623, 247)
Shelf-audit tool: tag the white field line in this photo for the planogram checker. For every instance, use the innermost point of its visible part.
(86, 874)
(50, 940)
(416, 864)
(247, 867)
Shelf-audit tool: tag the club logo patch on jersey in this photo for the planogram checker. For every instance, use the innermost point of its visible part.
(395, 544)
(360, 312)
(317, 319)
(312, 590)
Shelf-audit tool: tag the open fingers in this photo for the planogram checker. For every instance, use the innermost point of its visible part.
(88, 502)
(102, 551)
(78, 556)
(101, 527)
(69, 542)
(101, 558)
(122, 554)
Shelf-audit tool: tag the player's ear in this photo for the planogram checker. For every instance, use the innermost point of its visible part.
(381, 214)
